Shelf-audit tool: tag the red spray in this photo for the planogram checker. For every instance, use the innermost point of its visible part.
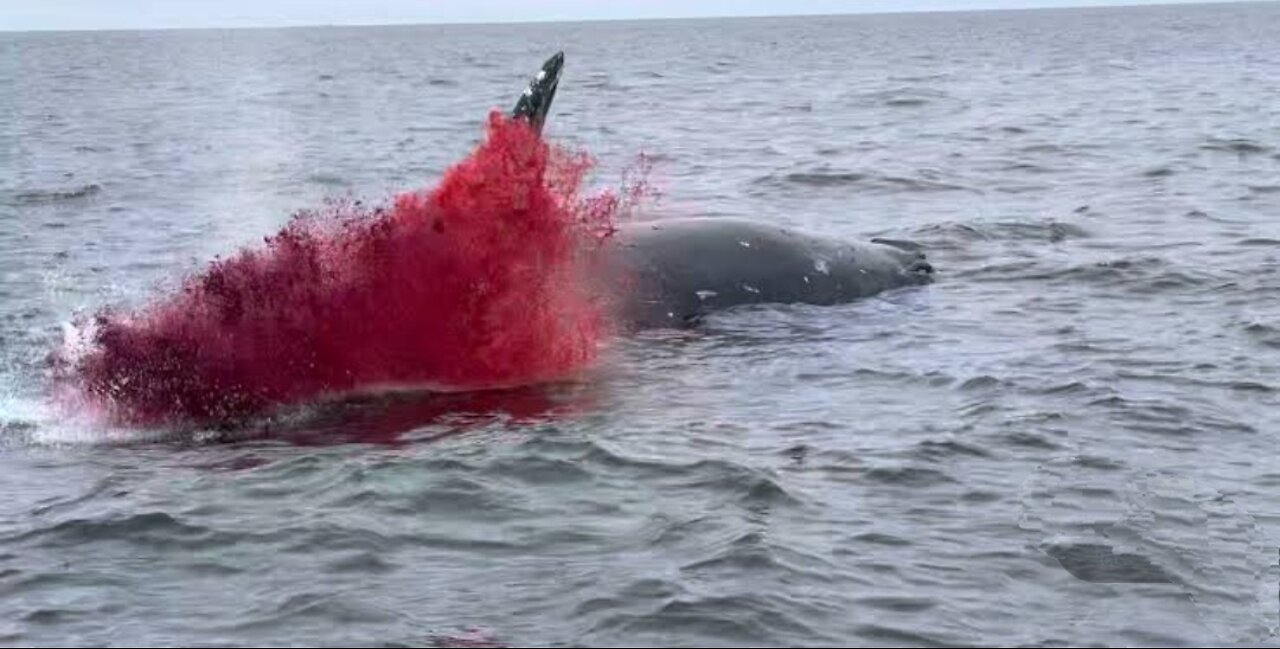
(477, 283)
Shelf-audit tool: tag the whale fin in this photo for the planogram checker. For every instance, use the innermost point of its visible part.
(535, 102)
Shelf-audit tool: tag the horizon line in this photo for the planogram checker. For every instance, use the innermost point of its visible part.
(1065, 4)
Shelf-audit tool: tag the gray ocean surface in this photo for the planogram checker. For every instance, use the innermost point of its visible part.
(1069, 439)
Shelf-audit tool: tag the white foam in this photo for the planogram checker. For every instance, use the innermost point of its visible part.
(62, 418)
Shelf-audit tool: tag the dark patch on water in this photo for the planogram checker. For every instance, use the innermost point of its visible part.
(48, 196)
(906, 102)
(908, 476)
(1102, 564)
(1235, 145)
(822, 179)
(869, 181)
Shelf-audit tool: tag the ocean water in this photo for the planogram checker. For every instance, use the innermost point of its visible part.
(1068, 439)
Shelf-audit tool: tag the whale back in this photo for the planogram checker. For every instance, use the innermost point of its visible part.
(671, 273)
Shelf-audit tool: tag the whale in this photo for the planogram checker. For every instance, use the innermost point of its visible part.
(674, 272)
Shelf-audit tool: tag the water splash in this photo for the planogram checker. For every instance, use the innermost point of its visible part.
(477, 283)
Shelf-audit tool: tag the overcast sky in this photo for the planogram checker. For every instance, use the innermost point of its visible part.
(145, 14)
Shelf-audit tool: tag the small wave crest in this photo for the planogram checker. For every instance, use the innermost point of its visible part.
(834, 178)
(1235, 145)
(953, 235)
(910, 97)
(30, 197)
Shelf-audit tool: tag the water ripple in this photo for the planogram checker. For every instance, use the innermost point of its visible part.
(1064, 441)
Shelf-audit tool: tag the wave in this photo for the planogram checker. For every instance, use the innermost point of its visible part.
(1235, 145)
(46, 196)
(826, 178)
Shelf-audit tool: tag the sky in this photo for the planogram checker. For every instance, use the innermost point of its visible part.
(22, 15)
